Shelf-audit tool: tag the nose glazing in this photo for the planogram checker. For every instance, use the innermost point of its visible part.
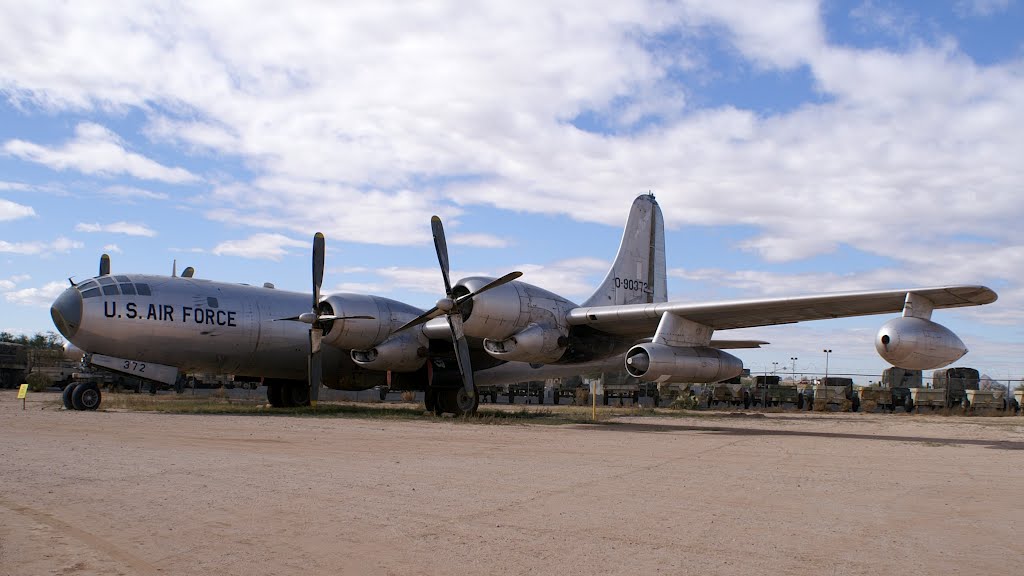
(66, 312)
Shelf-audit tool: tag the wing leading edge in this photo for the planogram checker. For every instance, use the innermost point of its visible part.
(642, 319)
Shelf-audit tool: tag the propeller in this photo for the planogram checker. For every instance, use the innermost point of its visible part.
(105, 265)
(188, 272)
(450, 306)
(316, 321)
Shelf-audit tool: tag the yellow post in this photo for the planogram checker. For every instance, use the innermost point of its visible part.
(593, 400)
(22, 393)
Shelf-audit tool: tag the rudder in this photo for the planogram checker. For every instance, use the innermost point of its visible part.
(637, 275)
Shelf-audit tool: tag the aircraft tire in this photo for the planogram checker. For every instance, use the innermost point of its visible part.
(295, 395)
(66, 396)
(457, 402)
(86, 396)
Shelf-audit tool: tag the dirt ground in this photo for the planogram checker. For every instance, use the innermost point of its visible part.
(779, 493)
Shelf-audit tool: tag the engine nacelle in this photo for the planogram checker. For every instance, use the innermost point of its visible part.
(360, 333)
(535, 343)
(660, 363)
(404, 352)
(500, 313)
(918, 344)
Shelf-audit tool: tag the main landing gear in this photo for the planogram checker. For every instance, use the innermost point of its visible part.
(81, 396)
(287, 393)
(451, 400)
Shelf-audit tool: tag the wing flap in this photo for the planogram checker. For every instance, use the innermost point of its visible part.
(642, 319)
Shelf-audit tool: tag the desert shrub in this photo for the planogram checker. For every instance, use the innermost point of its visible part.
(37, 381)
(409, 396)
(685, 402)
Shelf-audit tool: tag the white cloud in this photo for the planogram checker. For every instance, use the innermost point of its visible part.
(96, 150)
(479, 240)
(61, 244)
(112, 248)
(13, 211)
(980, 7)
(131, 193)
(12, 282)
(259, 246)
(42, 296)
(116, 228)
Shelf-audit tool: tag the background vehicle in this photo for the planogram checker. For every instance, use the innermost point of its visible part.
(832, 391)
(948, 389)
(13, 364)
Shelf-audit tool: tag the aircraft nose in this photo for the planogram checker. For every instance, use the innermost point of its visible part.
(67, 312)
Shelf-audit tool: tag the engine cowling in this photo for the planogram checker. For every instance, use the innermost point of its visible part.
(501, 313)
(535, 343)
(362, 334)
(918, 344)
(660, 363)
(404, 352)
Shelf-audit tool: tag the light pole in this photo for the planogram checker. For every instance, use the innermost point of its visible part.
(827, 351)
(794, 359)
(775, 368)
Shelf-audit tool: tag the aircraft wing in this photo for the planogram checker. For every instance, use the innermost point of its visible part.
(641, 320)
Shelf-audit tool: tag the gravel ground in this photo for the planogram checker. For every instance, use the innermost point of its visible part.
(728, 493)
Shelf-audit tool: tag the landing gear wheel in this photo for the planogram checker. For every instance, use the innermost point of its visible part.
(295, 395)
(86, 397)
(66, 396)
(456, 402)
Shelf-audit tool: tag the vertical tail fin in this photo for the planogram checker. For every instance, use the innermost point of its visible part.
(638, 274)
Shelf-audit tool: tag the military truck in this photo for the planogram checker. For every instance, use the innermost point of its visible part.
(948, 389)
(619, 385)
(730, 392)
(770, 391)
(14, 364)
(832, 391)
(533, 388)
(899, 381)
(572, 388)
(488, 392)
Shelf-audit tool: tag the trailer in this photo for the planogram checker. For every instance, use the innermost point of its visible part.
(619, 385)
(730, 392)
(872, 397)
(984, 400)
(949, 389)
(572, 388)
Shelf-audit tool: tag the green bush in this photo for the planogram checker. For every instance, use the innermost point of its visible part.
(37, 381)
(685, 402)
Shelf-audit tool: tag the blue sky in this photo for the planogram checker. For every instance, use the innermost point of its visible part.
(794, 147)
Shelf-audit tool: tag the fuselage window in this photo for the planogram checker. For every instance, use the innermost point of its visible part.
(128, 289)
(91, 292)
(143, 289)
(211, 302)
(110, 290)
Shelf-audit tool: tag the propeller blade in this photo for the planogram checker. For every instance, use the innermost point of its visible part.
(428, 315)
(318, 268)
(329, 318)
(315, 365)
(105, 265)
(462, 353)
(188, 272)
(174, 268)
(492, 284)
(442, 252)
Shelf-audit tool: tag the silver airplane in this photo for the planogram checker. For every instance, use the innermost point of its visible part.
(484, 330)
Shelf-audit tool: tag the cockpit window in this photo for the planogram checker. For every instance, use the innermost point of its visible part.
(110, 290)
(91, 292)
(128, 289)
(86, 285)
(122, 279)
(143, 289)
(105, 280)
